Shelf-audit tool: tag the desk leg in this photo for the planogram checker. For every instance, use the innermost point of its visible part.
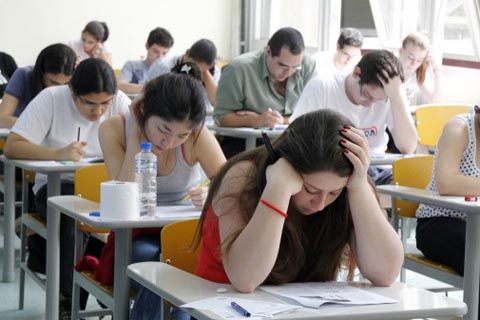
(121, 287)
(53, 249)
(9, 224)
(250, 143)
(472, 266)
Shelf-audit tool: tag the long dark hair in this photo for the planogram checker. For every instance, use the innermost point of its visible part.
(173, 97)
(56, 58)
(315, 247)
(93, 75)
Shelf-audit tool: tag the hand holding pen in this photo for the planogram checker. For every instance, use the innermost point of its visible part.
(198, 194)
(270, 118)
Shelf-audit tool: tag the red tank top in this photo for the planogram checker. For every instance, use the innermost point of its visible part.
(210, 264)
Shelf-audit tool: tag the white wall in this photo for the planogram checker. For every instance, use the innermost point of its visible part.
(27, 26)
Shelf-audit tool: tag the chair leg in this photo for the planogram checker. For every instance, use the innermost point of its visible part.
(75, 299)
(23, 255)
(76, 287)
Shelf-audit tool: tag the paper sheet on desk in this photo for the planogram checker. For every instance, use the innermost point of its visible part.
(177, 211)
(91, 159)
(315, 294)
(257, 309)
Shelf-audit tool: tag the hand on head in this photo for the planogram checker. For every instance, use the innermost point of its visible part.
(74, 151)
(391, 81)
(431, 61)
(97, 50)
(282, 173)
(357, 151)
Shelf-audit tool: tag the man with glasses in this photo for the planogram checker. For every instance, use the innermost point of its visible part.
(372, 97)
(260, 89)
(346, 55)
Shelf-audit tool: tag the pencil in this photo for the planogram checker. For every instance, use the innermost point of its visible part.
(78, 134)
(203, 184)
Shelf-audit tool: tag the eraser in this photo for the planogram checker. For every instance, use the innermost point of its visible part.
(471, 198)
(94, 214)
(221, 290)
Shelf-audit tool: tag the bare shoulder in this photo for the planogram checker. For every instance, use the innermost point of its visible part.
(454, 134)
(232, 184)
(112, 129)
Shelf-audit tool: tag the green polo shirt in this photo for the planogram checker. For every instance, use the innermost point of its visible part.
(245, 84)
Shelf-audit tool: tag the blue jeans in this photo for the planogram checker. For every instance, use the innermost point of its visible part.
(149, 306)
(145, 248)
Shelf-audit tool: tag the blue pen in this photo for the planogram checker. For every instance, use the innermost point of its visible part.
(240, 309)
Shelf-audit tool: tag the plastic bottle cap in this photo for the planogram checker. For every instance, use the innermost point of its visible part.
(146, 145)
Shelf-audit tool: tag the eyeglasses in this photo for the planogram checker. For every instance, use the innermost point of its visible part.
(414, 59)
(92, 105)
(286, 66)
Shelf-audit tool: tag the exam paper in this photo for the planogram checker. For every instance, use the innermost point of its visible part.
(177, 211)
(315, 294)
(257, 309)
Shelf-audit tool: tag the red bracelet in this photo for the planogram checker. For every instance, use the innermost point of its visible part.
(271, 206)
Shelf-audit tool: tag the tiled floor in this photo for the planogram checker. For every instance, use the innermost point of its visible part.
(35, 296)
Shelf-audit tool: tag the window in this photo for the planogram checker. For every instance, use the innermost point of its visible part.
(452, 25)
(457, 38)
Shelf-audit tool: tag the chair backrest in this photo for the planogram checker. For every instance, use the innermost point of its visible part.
(177, 239)
(411, 172)
(88, 179)
(430, 120)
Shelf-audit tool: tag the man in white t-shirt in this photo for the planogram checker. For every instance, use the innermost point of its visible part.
(371, 96)
(346, 55)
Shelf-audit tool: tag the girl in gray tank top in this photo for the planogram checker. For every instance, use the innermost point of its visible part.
(170, 115)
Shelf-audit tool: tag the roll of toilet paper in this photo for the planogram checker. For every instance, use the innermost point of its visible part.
(119, 200)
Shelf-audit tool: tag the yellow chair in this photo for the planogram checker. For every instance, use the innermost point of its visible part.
(87, 182)
(87, 185)
(416, 172)
(176, 239)
(430, 120)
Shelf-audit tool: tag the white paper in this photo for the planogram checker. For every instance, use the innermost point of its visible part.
(386, 156)
(315, 294)
(177, 211)
(257, 309)
(91, 159)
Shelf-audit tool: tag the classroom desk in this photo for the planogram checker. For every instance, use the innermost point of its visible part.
(179, 287)
(79, 209)
(471, 283)
(249, 134)
(387, 158)
(53, 170)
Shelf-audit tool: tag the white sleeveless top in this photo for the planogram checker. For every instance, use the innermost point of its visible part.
(468, 167)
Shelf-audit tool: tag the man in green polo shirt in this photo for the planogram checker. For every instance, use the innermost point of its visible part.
(260, 89)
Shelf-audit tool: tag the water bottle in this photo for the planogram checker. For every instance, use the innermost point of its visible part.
(146, 178)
